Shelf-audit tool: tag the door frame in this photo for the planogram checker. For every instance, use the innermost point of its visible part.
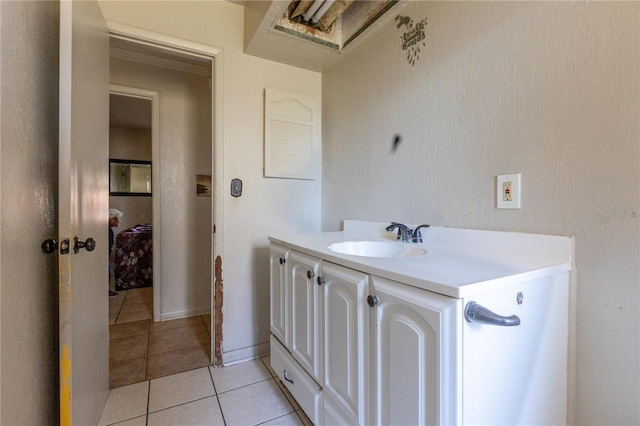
(215, 56)
(154, 97)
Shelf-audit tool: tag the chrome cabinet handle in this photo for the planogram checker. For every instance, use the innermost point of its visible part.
(478, 313)
(286, 373)
(311, 274)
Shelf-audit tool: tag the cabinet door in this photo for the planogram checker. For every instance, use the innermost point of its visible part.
(306, 313)
(415, 367)
(346, 339)
(279, 279)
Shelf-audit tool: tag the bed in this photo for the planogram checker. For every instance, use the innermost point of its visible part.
(133, 259)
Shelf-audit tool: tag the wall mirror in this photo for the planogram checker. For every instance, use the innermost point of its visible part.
(130, 177)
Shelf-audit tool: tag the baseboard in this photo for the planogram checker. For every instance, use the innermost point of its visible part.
(245, 354)
(166, 316)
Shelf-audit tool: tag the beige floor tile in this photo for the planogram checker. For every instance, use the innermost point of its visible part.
(134, 316)
(167, 363)
(179, 388)
(127, 329)
(144, 294)
(115, 303)
(127, 372)
(125, 403)
(290, 419)
(138, 421)
(207, 322)
(135, 306)
(157, 327)
(178, 338)
(254, 404)
(202, 412)
(239, 375)
(127, 348)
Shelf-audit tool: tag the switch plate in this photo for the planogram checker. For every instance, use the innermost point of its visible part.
(508, 191)
(236, 187)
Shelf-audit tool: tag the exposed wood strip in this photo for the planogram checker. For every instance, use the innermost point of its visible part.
(217, 314)
(333, 14)
(301, 9)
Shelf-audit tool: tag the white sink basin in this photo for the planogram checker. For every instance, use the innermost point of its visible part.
(377, 249)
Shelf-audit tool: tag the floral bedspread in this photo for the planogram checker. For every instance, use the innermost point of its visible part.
(134, 258)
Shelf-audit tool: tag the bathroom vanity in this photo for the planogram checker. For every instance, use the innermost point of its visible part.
(467, 327)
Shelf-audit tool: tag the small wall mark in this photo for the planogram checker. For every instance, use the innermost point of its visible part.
(412, 38)
(217, 314)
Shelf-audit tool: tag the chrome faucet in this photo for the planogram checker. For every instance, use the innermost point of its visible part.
(406, 234)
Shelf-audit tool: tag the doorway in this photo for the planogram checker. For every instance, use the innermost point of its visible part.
(162, 53)
(134, 143)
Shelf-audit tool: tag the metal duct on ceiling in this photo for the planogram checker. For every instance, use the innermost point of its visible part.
(319, 14)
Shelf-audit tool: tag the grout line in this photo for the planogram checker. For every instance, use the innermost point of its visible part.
(217, 394)
(146, 365)
(247, 385)
(279, 417)
(148, 401)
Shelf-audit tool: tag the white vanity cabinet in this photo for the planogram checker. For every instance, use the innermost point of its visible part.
(363, 350)
(468, 327)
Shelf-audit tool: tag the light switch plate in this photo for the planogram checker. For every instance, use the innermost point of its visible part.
(509, 191)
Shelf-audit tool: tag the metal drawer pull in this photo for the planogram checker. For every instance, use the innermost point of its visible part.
(478, 313)
(287, 378)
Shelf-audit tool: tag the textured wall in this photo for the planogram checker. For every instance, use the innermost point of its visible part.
(548, 89)
(28, 190)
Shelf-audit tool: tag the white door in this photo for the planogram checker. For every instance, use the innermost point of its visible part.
(414, 356)
(346, 339)
(306, 306)
(83, 212)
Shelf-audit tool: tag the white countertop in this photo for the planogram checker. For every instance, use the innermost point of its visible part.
(459, 262)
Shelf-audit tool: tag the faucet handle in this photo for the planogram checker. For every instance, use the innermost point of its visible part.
(417, 235)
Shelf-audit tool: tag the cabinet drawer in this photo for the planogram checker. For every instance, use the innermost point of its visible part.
(303, 388)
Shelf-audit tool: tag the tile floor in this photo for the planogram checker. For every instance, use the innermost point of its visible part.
(159, 374)
(140, 349)
(242, 394)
